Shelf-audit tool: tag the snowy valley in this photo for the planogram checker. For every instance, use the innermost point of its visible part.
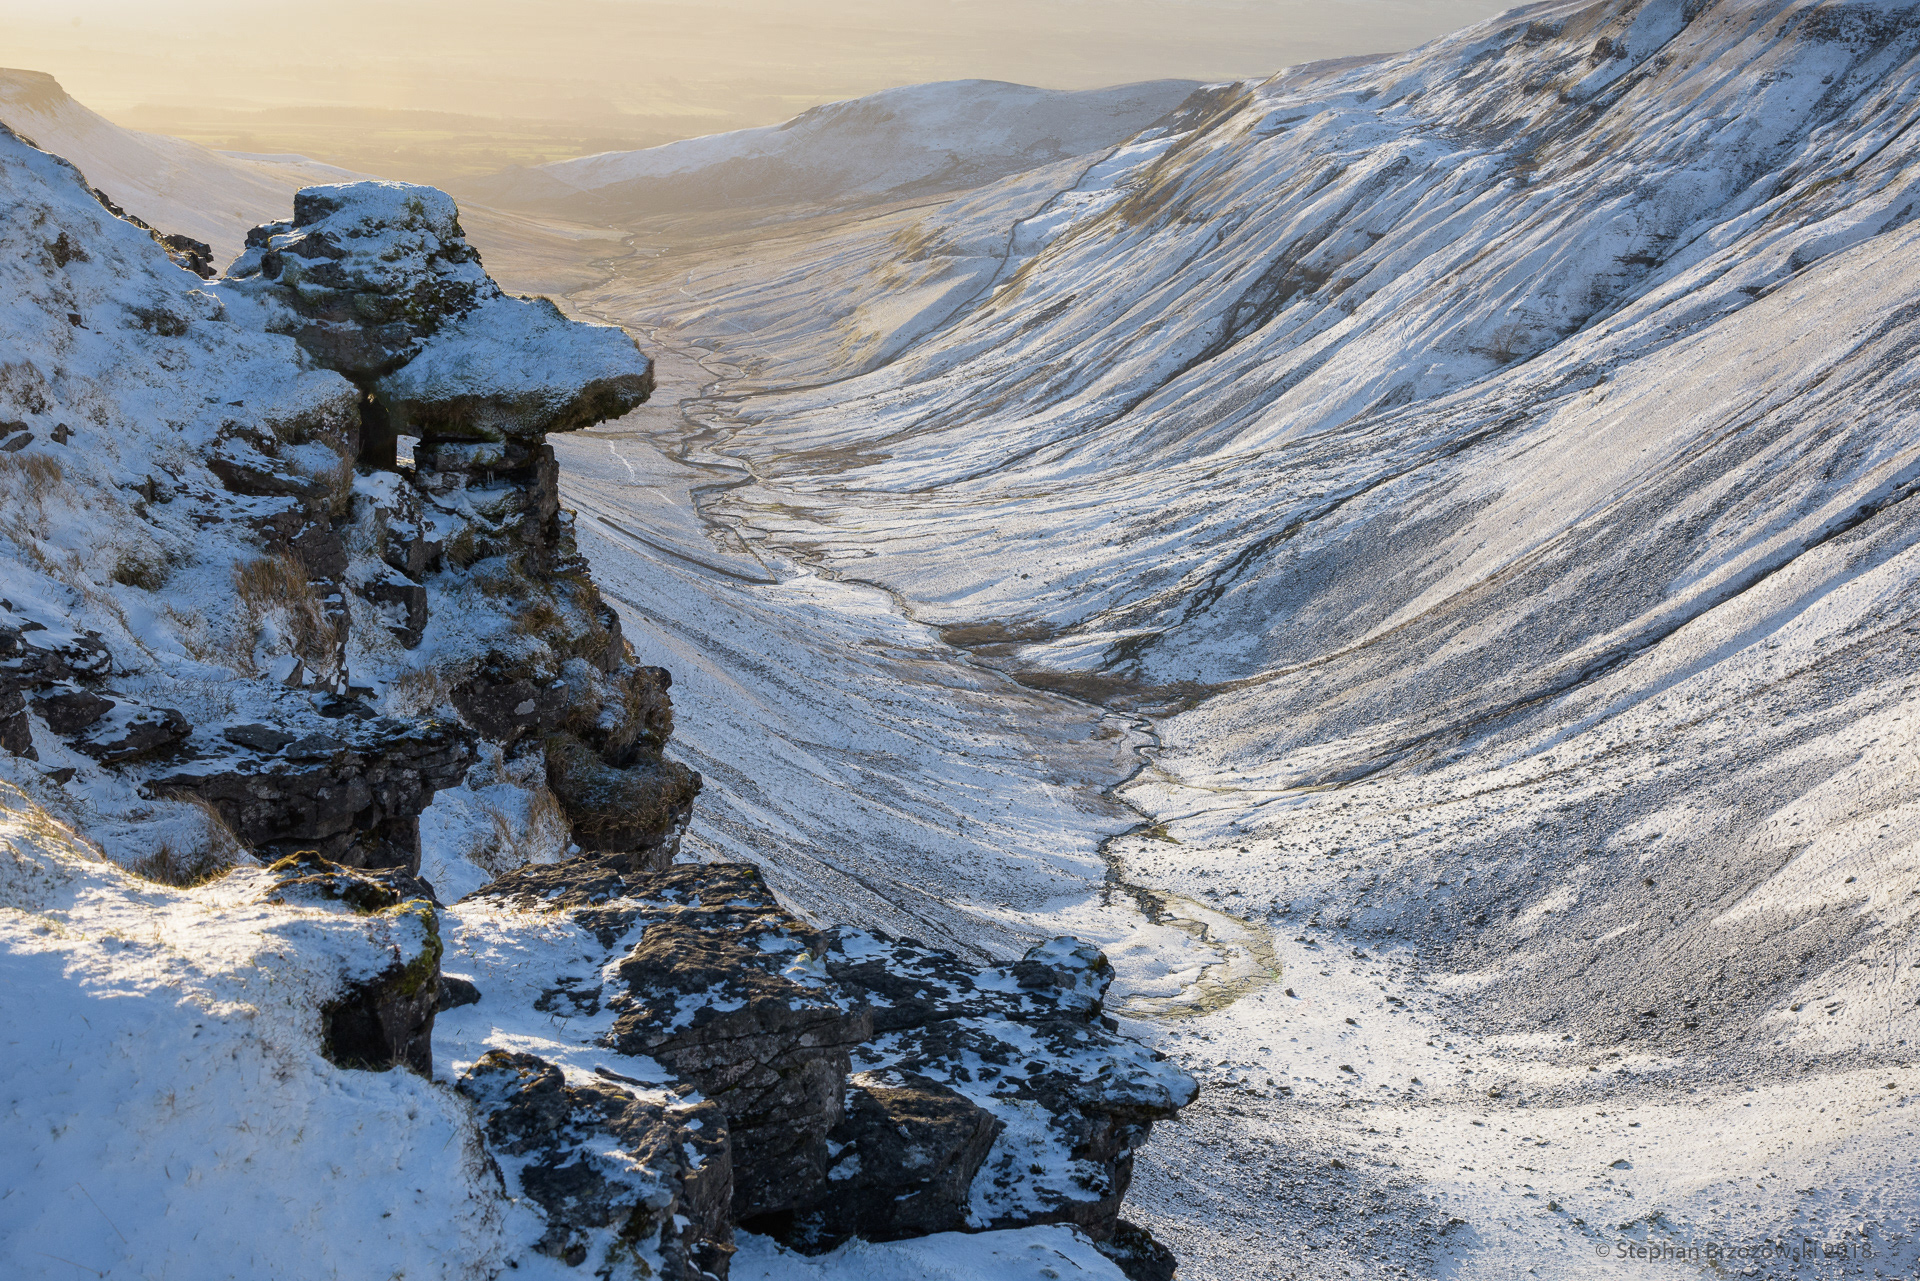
(1409, 559)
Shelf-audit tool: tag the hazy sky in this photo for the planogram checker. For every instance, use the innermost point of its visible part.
(582, 59)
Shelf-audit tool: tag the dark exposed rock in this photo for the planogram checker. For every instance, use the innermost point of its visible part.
(902, 1163)
(129, 730)
(401, 601)
(723, 990)
(16, 731)
(245, 468)
(355, 795)
(32, 657)
(456, 992)
(1138, 1254)
(630, 1187)
(640, 810)
(195, 255)
(315, 747)
(71, 711)
(506, 709)
(387, 1020)
(584, 882)
(261, 738)
(1025, 1042)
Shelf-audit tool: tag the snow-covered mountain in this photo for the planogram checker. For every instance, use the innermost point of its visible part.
(917, 140)
(1487, 468)
(215, 196)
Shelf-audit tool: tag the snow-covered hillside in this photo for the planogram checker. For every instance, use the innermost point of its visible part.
(1487, 467)
(1459, 501)
(917, 140)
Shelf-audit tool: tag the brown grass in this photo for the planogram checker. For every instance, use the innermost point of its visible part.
(338, 479)
(143, 568)
(217, 852)
(279, 585)
(418, 691)
(39, 475)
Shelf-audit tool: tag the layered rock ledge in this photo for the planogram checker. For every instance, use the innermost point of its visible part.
(869, 1087)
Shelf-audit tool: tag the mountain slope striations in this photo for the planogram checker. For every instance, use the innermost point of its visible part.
(1490, 468)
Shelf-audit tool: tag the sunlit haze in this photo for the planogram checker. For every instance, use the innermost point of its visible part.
(434, 89)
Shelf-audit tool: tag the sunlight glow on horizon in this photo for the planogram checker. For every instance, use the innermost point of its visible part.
(586, 59)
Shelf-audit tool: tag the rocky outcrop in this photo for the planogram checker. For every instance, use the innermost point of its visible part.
(384, 1020)
(1027, 1044)
(376, 280)
(630, 1186)
(904, 1156)
(58, 670)
(871, 1087)
(351, 787)
(359, 558)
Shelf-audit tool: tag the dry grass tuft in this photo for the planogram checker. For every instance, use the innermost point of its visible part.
(217, 852)
(538, 619)
(143, 568)
(278, 587)
(338, 479)
(37, 474)
(417, 692)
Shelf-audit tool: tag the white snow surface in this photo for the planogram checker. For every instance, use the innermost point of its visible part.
(910, 140)
(1025, 1254)
(164, 1110)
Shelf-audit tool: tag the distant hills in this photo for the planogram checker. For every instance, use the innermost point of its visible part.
(894, 144)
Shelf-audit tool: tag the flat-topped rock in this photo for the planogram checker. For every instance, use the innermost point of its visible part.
(377, 281)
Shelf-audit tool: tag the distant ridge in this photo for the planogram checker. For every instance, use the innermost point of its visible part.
(175, 185)
(901, 142)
